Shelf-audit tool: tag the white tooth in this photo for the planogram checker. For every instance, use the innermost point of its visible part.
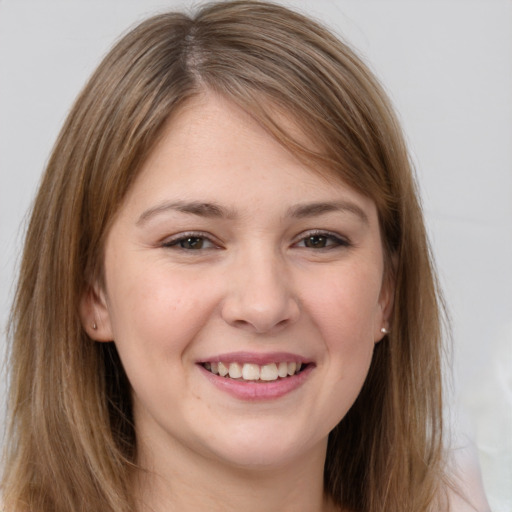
(250, 371)
(299, 366)
(291, 368)
(223, 369)
(269, 372)
(282, 370)
(235, 371)
(214, 368)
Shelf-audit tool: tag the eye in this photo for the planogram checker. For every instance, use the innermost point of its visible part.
(322, 240)
(190, 242)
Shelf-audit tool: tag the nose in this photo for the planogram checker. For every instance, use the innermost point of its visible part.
(261, 296)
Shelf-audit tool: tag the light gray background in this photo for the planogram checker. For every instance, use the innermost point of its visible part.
(448, 68)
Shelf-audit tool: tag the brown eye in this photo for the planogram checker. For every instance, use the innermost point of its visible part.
(316, 241)
(322, 240)
(192, 242)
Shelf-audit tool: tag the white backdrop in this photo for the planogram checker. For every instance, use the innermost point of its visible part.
(447, 65)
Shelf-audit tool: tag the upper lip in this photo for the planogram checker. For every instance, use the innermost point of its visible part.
(256, 358)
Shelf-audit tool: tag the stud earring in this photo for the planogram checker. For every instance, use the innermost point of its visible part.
(94, 326)
(383, 330)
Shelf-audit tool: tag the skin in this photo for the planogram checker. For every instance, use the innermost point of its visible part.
(250, 279)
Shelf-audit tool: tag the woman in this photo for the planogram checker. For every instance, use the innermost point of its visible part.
(226, 298)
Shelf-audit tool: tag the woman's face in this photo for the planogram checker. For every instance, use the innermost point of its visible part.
(229, 255)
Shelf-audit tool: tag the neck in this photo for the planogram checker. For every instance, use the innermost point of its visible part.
(187, 482)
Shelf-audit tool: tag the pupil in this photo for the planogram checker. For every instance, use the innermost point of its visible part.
(316, 241)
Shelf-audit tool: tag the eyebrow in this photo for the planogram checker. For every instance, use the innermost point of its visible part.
(302, 211)
(214, 210)
(210, 210)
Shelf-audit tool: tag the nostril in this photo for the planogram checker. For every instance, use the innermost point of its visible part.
(283, 322)
(241, 324)
(260, 326)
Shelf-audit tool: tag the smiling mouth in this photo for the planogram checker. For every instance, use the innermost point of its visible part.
(254, 372)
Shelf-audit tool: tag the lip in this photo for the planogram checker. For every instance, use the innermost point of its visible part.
(255, 358)
(257, 391)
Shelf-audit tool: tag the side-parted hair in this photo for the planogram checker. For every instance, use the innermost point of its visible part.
(71, 441)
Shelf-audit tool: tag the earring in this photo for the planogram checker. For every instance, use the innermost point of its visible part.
(94, 326)
(383, 330)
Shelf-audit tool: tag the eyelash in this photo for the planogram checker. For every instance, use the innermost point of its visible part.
(184, 237)
(332, 240)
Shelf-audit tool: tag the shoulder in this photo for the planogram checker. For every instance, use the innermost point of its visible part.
(467, 493)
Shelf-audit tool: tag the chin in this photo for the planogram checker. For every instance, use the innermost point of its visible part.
(265, 448)
(259, 459)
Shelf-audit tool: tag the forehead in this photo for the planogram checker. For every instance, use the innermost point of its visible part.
(214, 151)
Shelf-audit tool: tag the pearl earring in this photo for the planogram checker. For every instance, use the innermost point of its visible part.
(383, 330)
(94, 326)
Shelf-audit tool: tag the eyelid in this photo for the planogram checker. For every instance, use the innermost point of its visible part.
(340, 240)
(174, 240)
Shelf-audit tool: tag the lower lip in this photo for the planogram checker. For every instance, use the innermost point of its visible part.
(258, 391)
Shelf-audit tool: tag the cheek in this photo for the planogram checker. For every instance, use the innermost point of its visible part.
(348, 338)
(346, 308)
(156, 315)
(345, 314)
(156, 311)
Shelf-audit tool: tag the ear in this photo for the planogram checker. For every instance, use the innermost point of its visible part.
(95, 315)
(385, 306)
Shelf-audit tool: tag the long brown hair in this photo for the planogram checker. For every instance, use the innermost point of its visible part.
(72, 443)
